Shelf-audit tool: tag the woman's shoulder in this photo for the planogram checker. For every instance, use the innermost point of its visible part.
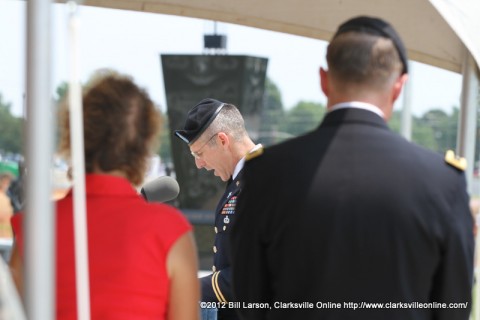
(166, 215)
(165, 223)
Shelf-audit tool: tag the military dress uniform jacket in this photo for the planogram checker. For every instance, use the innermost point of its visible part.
(217, 286)
(352, 213)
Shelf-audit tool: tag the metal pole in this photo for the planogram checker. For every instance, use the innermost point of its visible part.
(78, 165)
(468, 117)
(406, 124)
(38, 223)
(466, 141)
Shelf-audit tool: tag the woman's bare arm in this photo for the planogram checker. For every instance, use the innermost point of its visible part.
(182, 268)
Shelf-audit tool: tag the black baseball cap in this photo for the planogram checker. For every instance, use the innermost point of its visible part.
(376, 26)
(198, 119)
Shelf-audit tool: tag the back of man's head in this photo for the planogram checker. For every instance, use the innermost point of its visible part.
(366, 52)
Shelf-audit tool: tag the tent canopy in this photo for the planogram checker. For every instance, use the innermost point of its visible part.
(435, 32)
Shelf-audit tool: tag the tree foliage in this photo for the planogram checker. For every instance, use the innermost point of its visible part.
(10, 129)
(435, 129)
(443, 128)
(272, 115)
(61, 91)
(303, 117)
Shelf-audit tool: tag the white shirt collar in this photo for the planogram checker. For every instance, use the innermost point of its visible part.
(358, 105)
(240, 163)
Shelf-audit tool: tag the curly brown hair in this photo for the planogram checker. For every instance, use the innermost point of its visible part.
(121, 124)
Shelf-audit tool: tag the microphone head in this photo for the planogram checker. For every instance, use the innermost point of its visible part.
(161, 189)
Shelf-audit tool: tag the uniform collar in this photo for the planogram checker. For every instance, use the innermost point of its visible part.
(353, 115)
(240, 163)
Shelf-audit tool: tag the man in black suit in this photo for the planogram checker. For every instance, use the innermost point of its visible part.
(351, 213)
(216, 135)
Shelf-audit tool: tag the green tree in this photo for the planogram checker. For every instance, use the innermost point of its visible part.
(395, 121)
(61, 91)
(435, 129)
(423, 134)
(10, 129)
(272, 115)
(304, 116)
(443, 128)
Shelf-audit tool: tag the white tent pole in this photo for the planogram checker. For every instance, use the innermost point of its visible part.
(406, 124)
(39, 223)
(466, 140)
(78, 166)
(468, 117)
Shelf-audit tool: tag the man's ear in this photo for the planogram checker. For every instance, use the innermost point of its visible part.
(324, 81)
(224, 139)
(398, 85)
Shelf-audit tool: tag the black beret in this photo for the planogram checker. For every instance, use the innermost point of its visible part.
(377, 27)
(198, 119)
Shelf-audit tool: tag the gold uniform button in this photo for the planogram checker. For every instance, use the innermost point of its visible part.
(214, 249)
(216, 230)
(214, 269)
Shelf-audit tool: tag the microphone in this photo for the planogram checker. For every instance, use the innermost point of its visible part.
(161, 189)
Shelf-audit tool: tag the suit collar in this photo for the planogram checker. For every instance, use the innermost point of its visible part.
(353, 115)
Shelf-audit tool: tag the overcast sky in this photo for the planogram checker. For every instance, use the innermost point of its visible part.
(132, 42)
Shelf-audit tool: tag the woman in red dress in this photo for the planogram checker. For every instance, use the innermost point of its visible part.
(142, 257)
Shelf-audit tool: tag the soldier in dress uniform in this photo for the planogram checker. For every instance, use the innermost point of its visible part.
(352, 221)
(216, 135)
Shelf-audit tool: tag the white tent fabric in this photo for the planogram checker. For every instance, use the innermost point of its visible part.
(463, 16)
(429, 37)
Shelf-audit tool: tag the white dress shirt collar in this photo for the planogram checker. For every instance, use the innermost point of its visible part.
(358, 105)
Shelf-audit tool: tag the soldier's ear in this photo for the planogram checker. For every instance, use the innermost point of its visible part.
(398, 86)
(223, 138)
(324, 81)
